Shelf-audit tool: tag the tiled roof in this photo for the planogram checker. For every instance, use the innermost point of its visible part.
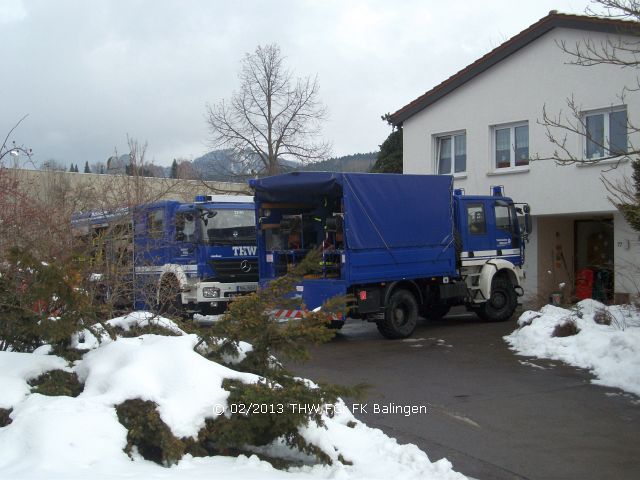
(544, 25)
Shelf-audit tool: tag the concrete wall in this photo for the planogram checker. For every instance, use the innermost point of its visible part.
(86, 190)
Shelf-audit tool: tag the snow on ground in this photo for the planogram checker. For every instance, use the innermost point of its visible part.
(17, 368)
(88, 339)
(78, 438)
(610, 352)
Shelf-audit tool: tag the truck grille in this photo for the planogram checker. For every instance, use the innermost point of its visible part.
(240, 270)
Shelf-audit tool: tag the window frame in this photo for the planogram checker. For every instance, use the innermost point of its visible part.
(438, 138)
(471, 220)
(512, 147)
(606, 132)
(155, 223)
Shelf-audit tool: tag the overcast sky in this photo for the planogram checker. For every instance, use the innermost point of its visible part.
(90, 72)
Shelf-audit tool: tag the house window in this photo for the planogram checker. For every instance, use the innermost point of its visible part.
(605, 133)
(451, 153)
(511, 145)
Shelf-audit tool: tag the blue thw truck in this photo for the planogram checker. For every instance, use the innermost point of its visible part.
(400, 245)
(187, 257)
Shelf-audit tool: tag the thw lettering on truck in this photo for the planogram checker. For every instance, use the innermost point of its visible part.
(244, 251)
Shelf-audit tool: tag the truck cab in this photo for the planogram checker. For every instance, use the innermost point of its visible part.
(489, 227)
(200, 254)
(187, 257)
(492, 232)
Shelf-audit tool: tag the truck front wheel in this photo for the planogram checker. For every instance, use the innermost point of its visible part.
(400, 315)
(503, 301)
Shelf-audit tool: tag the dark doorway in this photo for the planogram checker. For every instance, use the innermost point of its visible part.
(594, 259)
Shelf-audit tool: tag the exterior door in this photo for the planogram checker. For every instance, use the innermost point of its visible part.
(479, 241)
(185, 244)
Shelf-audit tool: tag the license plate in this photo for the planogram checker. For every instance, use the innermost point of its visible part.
(246, 288)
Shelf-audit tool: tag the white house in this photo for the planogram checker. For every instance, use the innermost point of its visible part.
(483, 125)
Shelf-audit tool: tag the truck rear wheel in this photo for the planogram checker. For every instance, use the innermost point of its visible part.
(400, 315)
(503, 301)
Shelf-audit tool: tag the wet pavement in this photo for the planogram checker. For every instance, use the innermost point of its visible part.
(493, 414)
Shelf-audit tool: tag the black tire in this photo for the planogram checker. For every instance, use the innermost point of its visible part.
(400, 315)
(503, 302)
(435, 312)
(336, 324)
(169, 299)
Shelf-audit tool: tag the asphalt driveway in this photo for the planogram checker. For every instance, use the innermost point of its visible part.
(493, 414)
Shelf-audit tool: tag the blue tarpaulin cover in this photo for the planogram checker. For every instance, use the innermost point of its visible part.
(381, 210)
(298, 187)
(396, 211)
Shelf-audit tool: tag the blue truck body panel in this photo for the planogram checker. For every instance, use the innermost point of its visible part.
(386, 237)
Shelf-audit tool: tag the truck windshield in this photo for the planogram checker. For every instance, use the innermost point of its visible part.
(228, 227)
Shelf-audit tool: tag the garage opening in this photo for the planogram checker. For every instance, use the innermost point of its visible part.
(594, 259)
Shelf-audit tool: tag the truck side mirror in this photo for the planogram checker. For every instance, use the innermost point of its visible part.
(528, 225)
(527, 218)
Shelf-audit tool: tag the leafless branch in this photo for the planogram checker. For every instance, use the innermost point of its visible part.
(272, 118)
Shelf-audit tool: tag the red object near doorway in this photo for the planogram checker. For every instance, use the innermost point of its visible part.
(584, 283)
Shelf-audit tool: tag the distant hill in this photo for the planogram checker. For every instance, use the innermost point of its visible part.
(357, 162)
(219, 165)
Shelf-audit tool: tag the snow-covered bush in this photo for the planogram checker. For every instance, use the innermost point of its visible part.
(5, 416)
(148, 433)
(603, 339)
(39, 303)
(565, 328)
(56, 383)
(248, 320)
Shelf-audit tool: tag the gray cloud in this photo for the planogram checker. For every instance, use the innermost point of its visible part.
(89, 73)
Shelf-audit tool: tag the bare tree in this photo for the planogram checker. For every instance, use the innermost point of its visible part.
(9, 148)
(273, 117)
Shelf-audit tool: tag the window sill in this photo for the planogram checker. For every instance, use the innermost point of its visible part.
(596, 162)
(460, 176)
(507, 171)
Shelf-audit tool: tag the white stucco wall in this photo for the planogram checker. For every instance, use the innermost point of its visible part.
(626, 255)
(514, 90)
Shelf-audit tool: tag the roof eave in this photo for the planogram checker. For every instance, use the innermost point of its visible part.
(519, 41)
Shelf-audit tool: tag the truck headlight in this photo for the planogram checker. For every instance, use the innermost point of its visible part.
(211, 292)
